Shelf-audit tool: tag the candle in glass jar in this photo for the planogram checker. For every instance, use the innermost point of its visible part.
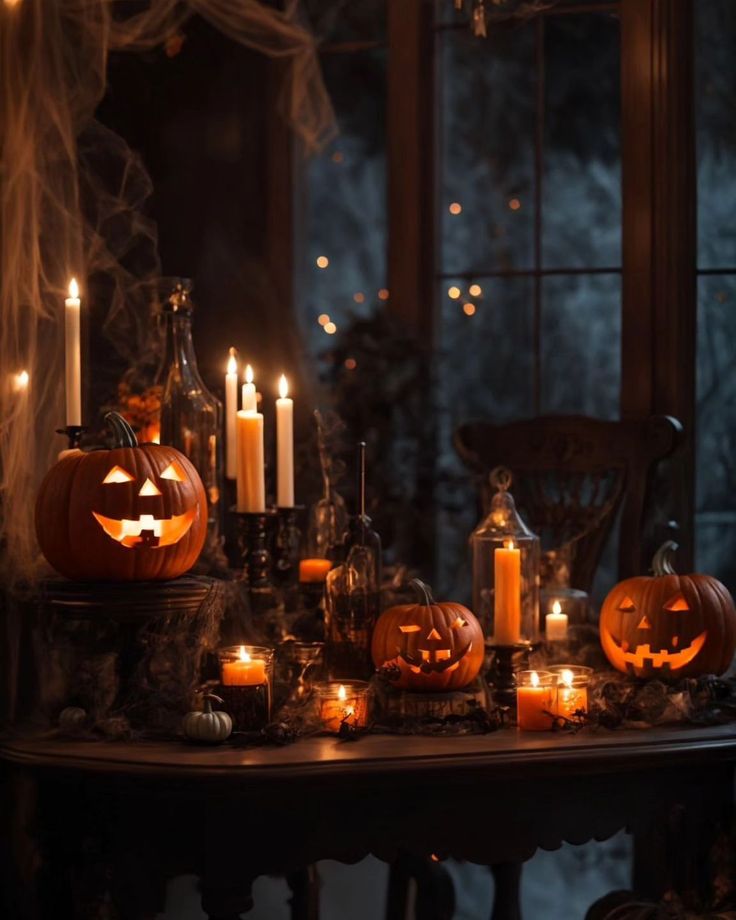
(555, 624)
(507, 606)
(284, 447)
(251, 481)
(572, 693)
(231, 413)
(243, 671)
(73, 355)
(348, 705)
(249, 391)
(535, 700)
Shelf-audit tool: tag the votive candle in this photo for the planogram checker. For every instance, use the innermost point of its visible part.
(535, 700)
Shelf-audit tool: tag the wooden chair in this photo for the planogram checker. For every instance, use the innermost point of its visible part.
(572, 476)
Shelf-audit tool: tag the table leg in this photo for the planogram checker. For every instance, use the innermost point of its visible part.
(304, 900)
(19, 846)
(506, 900)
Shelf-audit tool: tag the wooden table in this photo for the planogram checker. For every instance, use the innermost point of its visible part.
(84, 817)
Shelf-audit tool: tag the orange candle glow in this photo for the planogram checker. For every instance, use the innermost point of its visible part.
(535, 700)
(349, 705)
(314, 570)
(244, 671)
(507, 606)
(572, 694)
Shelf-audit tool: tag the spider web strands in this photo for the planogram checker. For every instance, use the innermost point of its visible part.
(72, 196)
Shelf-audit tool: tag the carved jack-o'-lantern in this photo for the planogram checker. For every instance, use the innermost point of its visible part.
(433, 647)
(669, 625)
(135, 512)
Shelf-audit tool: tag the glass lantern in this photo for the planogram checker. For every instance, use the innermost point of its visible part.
(505, 560)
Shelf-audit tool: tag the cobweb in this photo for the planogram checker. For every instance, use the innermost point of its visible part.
(60, 217)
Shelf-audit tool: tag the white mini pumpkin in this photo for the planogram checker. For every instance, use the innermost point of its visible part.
(208, 726)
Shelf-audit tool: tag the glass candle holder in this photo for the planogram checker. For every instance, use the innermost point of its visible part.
(560, 608)
(536, 695)
(505, 558)
(342, 702)
(246, 685)
(572, 688)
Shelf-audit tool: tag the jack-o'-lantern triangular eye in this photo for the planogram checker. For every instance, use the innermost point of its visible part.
(173, 471)
(627, 605)
(677, 602)
(459, 623)
(117, 474)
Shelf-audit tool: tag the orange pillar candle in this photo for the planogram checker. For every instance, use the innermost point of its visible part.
(507, 590)
(314, 570)
(535, 700)
(251, 484)
(244, 671)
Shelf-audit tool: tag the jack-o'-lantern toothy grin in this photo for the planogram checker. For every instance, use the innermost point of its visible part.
(147, 530)
(434, 661)
(644, 655)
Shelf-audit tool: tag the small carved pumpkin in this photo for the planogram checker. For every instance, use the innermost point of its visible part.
(669, 625)
(133, 513)
(208, 726)
(432, 647)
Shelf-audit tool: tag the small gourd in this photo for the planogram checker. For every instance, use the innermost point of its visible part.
(208, 726)
(72, 719)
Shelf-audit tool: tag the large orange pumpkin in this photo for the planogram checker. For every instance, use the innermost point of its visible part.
(435, 647)
(136, 512)
(669, 625)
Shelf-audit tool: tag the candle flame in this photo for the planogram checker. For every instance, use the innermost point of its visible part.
(232, 362)
(534, 679)
(557, 607)
(342, 693)
(244, 656)
(73, 289)
(248, 374)
(283, 386)
(567, 677)
(508, 544)
(20, 381)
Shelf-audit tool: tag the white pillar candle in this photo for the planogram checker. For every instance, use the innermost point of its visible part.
(73, 355)
(251, 484)
(555, 624)
(284, 447)
(249, 391)
(231, 411)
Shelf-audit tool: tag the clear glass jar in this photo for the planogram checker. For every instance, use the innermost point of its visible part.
(342, 703)
(191, 417)
(246, 685)
(493, 544)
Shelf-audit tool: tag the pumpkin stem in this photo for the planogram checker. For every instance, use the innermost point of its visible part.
(210, 696)
(663, 561)
(123, 434)
(424, 591)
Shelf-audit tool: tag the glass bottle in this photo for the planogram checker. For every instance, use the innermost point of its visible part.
(191, 417)
(353, 593)
(504, 529)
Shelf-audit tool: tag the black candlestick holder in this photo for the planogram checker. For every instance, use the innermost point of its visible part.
(287, 546)
(74, 435)
(256, 558)
(506, 661)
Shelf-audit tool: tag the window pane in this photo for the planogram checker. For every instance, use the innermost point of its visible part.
(581, 211)
(715, 94)
(484, 370)
(716, 418)
(487, 149)
(581, 339)
(345, 256)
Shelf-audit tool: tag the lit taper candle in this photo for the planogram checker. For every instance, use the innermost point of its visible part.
(73, 354)
(284, 446)
(231, 412)
(249, 391)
